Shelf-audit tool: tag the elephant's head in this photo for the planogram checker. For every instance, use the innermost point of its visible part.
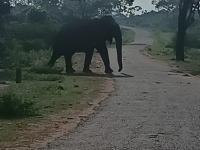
(113, 31)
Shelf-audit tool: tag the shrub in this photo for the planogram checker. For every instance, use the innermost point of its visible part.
(35, 44)
(7, 75)
(38, 35)
(12, 106)
(192, 40)
(37, 15)
(2, 49)
(128, 36)
(17, 56)
(171, 43)
(46, 70)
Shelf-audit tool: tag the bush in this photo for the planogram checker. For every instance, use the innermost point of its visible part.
(37, 15)
(32, 35)
(35, 44)
(128, 36)
(7, 75)
(192, 40)
(12, 106)
(171, 43)
(46, 70)
(17, 56)
(2, 49)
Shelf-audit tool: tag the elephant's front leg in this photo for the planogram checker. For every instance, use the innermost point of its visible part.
(105, 57)
(88, 59)
(68, 62)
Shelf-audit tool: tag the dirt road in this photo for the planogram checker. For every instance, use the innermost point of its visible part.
(155, 109)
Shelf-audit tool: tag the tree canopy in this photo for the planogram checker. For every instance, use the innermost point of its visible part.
(167, 5)
(4, 7)
(83, 7)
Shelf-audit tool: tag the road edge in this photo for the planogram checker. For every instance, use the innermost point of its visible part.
(78, 117)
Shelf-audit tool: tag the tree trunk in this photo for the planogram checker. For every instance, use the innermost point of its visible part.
(180, 40)
(182, 21)
(18, 75)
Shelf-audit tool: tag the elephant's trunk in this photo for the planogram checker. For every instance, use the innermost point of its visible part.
(118, 40)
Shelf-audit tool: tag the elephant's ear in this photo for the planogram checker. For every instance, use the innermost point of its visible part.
(108, 24)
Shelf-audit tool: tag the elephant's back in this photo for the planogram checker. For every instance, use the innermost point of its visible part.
(79, 34)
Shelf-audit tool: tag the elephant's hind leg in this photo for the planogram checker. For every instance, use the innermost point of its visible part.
(53, 59)
(68, 62)
(88, 59)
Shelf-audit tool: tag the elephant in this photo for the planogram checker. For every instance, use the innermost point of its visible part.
(85, 35)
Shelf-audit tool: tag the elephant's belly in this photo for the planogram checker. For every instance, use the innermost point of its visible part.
(84, 47)
(73, 46)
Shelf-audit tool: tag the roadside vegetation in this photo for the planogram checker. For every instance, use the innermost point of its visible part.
(163, 48)
(164, 26)
(39, 97)
(128, 36)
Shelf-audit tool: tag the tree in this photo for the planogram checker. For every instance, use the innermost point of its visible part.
(187, 9)
(4, 7)
(79, 8)
(4, 10)
(186, 17)
(102, 7)
(168, 5)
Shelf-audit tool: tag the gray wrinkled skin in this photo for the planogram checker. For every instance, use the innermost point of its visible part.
(154, 110)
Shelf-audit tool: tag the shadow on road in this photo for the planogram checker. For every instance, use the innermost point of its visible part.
(136, 44)
(122, 75)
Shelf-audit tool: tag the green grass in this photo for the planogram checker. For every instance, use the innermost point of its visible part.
(128, 36)
(49, 97)
(162, 45)
(42, 69)
(192, 62)
(43, 77)
(13, 106)
(52, 96)
(163, 48)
